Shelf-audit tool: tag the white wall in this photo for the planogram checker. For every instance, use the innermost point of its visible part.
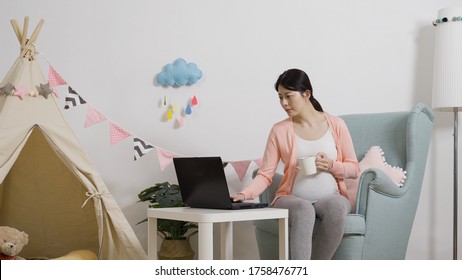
(362, 56)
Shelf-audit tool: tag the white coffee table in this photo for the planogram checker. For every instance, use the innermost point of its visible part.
(205, 218)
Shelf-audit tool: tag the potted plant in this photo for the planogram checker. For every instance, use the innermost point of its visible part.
(175, 240)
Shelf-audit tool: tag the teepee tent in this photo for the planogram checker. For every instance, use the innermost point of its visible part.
(48, 187)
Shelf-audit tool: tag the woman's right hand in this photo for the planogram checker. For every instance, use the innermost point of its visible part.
(238, 197)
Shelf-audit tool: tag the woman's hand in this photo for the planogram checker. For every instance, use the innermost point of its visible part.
(238, 197)
(323, 162)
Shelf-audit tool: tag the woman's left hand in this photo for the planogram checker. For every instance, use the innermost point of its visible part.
(323, 162)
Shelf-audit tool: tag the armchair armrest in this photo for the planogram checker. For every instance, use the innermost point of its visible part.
(374, 179)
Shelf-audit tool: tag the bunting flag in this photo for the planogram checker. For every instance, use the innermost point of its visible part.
(165, 158)
(117, 133)
(258, 162)
(55, 80)
(241, 167)
(141, 148)
(73, 99)
(93, 117)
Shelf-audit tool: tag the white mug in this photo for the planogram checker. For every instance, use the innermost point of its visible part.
(308, 165)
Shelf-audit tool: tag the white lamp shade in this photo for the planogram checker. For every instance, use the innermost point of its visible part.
(447, 75)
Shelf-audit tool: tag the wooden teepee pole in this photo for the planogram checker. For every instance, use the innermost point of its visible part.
(36, 32)
(17, 30)
(24, 31)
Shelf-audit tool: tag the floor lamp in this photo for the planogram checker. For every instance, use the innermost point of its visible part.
(447, 82)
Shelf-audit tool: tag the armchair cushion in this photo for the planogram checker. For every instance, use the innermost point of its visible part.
(375, 158)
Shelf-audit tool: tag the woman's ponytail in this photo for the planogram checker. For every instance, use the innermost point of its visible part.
(316, 104)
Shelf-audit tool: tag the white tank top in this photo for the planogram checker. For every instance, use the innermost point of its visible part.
(323, 183)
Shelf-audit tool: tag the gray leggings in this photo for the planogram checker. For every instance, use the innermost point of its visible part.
(332, 210)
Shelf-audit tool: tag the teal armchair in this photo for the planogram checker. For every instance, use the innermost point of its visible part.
(380, 226)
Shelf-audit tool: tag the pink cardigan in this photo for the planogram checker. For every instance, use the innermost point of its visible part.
(281, 146)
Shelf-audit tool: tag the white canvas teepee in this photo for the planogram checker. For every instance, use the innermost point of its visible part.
(48, 187)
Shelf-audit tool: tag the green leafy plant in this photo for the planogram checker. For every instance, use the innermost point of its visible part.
(163, 195)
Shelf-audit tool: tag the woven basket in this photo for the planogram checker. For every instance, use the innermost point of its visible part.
(175, 250)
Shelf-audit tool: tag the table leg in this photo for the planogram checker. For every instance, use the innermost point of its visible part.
(283, 239)
(226, 231)
(205, 241)
(152, 238)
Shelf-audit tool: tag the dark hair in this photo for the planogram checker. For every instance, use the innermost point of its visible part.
(297, 80)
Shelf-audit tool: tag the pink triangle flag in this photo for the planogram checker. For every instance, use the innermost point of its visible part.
(241, 168)
(93, 117)
(165, 158)
(117, 133)
(258, 162)
(55, 80)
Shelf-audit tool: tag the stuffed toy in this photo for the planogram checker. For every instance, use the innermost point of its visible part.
(11, 242)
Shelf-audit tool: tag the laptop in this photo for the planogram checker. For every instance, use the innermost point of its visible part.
(203, 184)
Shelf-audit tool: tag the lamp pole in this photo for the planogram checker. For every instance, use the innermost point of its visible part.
(456, 133)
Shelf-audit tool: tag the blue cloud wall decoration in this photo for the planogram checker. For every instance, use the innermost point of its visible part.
(179, 73)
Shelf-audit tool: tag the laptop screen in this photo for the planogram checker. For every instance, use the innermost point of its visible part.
(202, 182)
